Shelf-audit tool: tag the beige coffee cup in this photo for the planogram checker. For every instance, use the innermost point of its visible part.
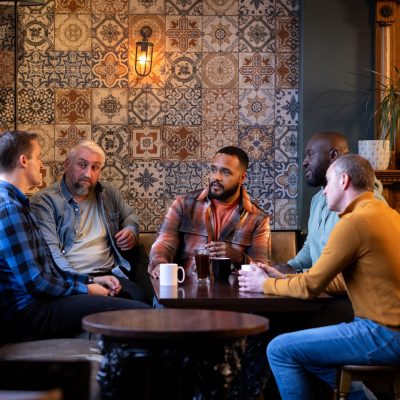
(169, 275)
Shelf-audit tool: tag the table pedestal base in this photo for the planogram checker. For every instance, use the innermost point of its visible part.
(171, 369)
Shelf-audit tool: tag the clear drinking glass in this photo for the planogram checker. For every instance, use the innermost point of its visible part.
(202, 258)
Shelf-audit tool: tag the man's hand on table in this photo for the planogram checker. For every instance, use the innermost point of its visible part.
(223, 249)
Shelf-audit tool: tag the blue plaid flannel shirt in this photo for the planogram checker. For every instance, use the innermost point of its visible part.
(27, 270)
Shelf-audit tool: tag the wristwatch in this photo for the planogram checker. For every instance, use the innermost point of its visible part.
(90, 280)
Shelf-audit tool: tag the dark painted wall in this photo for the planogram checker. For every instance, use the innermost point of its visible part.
(337, 50)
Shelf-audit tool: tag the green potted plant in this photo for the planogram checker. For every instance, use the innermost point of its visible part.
(387, 117)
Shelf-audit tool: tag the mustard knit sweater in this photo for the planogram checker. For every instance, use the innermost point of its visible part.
(361, 256)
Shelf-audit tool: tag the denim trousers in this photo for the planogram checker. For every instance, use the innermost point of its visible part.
(292, 356)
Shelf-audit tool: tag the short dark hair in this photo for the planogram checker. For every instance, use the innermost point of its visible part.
(358, 169)
(12, 145)
(237, 152)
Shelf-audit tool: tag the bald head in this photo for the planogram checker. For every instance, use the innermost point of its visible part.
(322, 150)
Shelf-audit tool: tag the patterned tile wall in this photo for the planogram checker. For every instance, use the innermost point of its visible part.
(225, 72)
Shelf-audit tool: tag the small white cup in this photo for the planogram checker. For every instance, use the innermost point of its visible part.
(169, 275)
(247, 267)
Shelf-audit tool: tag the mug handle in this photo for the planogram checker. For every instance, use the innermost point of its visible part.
(183, 275)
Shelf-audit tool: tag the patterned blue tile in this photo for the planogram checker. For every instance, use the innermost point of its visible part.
(146, 180)
(286, 214)
(150, 212)
(7, 36)
(286, 143)
(36, 70)
(183, 107)
(260, 180)
(257, 7)
(287, 107)
(181, 178)
(286, 180)
(72, 69)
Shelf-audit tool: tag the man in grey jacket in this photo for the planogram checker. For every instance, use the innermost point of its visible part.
(87, 223)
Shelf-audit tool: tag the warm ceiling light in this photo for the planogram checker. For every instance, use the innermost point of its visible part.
(144, 53)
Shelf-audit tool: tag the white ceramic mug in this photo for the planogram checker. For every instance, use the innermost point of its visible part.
(169, 275)
(247, 267)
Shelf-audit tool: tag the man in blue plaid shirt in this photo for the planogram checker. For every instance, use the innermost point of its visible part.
(37, 299)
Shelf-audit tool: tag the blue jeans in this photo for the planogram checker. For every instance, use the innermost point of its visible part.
(293, 355)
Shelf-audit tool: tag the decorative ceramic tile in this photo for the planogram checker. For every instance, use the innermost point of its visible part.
(110, 106)
(257, 34)
(7, 36)
(37, 70)
(184, 34)
(220, 109)
(286, 180)
(146, 107)
(287, 7)
(220, 70)
(260, 180)
(220, 34)
(183, 107)
(147, 179)
(287, 71)
(146, 143)
(109, 70)
(146, 7)
(287, 34)
(257, 7)
(46, 139)
(214, 138)
(181, 143)
(72, 69)
(220, 7)
(115, 174)
(73, 6)
(181, 178)
(47, 7)
(156, 78)
(157, 25)
(110, 33)
(287, 107)
(256, 107)
(151, 213)
(67, 136)
(286, 143)
(72, 106)
(256, 70)
(183, 70)
(286, 216)
(257, 142)
(113, 139)
(6, 108)
(6, 69)
(110, 7)
(37, 32)
(36, 106)
(73, 32)
(183, 7)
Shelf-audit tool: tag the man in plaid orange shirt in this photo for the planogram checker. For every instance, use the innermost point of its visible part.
(221, 218)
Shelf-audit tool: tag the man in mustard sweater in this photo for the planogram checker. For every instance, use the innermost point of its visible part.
(361, 256)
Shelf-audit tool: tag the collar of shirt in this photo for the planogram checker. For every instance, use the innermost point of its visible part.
(13, 191)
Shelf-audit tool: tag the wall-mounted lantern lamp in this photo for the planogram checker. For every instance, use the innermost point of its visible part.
(144, 53)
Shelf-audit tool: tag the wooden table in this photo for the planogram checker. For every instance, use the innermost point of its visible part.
(226, 296)
(202, 348)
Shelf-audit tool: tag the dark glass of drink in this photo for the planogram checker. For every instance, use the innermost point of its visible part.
(221, 268)
(202, 257)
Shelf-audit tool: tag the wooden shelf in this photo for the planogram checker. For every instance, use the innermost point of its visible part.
(390, 180)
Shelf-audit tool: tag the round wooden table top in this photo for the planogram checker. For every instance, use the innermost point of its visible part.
(174, 323)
